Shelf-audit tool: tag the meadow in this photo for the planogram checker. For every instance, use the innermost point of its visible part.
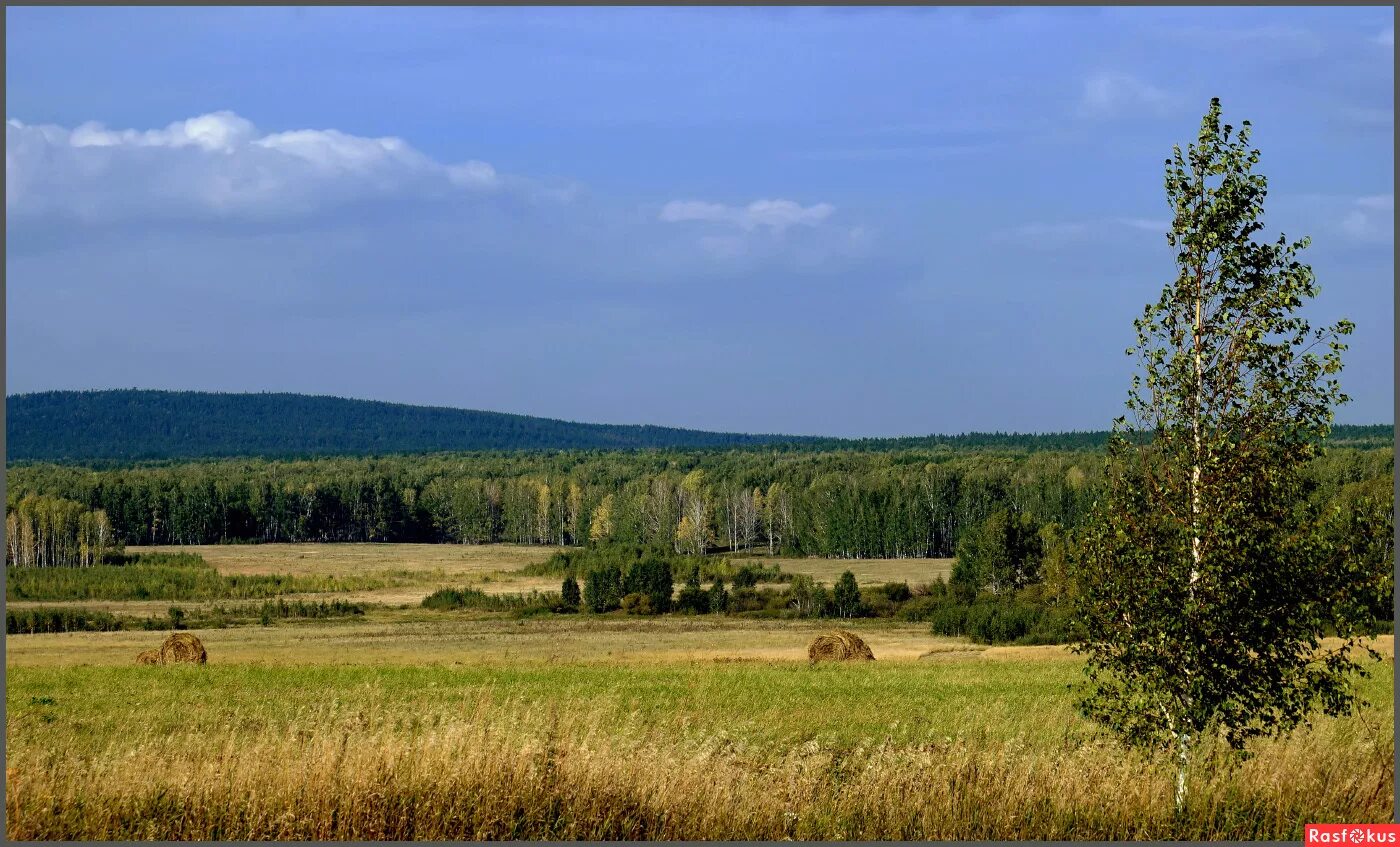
(403, 574)
(408, 724)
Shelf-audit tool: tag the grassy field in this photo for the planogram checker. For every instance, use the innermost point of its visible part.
(413, 571)
(412, 725)
(868, 571)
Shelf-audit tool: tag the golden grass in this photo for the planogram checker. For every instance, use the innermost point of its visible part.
(867, 571)
(421, 637)
(497, 761)
(416, 569)
(453, 560)
(420, 569)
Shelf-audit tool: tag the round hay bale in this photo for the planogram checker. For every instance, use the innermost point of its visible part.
(839, 646)
(182, 647)
(148, 657)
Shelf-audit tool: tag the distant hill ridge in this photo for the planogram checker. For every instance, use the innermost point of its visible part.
(140, 425)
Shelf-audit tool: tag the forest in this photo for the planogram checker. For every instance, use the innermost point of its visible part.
(848, 504)
(110, 428)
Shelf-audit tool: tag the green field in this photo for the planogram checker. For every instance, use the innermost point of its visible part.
(411, 723)
(458, 728)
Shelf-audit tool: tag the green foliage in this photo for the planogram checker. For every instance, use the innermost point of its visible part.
(718, 597)
(602, 589)
(450, 599)
(569, 592)
(123, 426)
(165, 576)
(1000, 554)
(846, 503)
(1207, 576)
(128, 425)
(39, 619)
(43, 531)
(845, 596)
(637, 603)
(66, 619)
(693, 599)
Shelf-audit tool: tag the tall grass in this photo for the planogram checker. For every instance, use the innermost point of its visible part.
(528, 754)
(42, 619)
(158, 576)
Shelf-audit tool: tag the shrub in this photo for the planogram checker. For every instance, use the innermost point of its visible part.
(718, 597)
(897, 592)
(602, 589)
(637, 603)
(446, 599)
(693, 599)
(570, 593)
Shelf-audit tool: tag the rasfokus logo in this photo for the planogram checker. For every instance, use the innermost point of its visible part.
(1351, 833)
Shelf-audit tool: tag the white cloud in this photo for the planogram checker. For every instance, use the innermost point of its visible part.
(776, 215)
(767, 232)
(1370, 220)
(1111, 93)
(214, 165)
(1386, 37)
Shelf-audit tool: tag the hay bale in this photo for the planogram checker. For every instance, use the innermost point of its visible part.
(148, 657)
(182, 647)
(839, 646)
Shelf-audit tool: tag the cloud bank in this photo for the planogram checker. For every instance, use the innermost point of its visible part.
(216, 165)
(775, 215)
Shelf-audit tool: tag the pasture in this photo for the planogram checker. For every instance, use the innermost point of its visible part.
(412, 723)
(420, 726)
(413, 571)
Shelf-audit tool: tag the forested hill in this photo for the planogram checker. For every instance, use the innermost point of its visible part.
(137, 425)
(131, 425)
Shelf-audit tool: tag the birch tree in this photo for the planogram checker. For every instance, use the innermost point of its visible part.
(1206, 579)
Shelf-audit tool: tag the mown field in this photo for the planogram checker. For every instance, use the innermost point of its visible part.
(404, 722)
(403, 574)
(411, 725)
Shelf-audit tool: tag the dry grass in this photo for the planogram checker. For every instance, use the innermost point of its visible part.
(455, 561)
(425, 638)
(410, 724)
(868, 571)
(416, 570)
(487, 764)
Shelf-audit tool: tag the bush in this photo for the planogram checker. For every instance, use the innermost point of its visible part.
(895, 592)
(1026, 617)
(719, 598)
(569, 592)
(947, 618)
(637, 603)
(446, 599)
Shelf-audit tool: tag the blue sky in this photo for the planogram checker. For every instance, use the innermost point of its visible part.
(826, 221)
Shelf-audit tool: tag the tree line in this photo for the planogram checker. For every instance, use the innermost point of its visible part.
(43, 531)
(122, 426)
(852, 504)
